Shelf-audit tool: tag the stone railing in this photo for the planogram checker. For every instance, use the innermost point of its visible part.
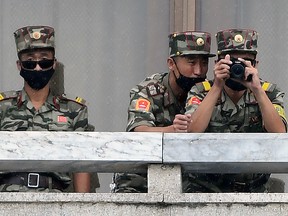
(164, 156)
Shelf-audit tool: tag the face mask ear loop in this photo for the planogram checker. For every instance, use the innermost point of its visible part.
(180, 74)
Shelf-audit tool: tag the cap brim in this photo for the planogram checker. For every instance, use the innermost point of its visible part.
(211, 55)
(224, 52)
(201, 54)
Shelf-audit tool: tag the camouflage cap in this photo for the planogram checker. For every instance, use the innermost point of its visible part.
(190, 43)
(237, 40)
(31, 37)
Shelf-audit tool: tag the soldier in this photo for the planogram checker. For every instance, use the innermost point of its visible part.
(36, 108)
(158, 102)
(236, 101)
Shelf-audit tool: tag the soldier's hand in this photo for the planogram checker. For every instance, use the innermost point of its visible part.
(221, 71)
(251, 72)
(181, 122)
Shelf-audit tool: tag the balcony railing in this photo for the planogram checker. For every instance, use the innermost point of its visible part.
(163, 156)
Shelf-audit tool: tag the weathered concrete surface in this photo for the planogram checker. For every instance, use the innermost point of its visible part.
(164, 155)
(79, 151)
(143, 204)
(227, 152)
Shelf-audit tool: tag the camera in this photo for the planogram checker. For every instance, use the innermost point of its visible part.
(237, 69)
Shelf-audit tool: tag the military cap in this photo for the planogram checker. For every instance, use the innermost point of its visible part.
(190, 43)
(237, 40)
(31, 37)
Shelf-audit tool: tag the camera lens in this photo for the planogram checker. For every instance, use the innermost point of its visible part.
(237, 70)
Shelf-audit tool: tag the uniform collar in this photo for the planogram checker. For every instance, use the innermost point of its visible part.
(247, 98)
(250, 98)
(23, 98)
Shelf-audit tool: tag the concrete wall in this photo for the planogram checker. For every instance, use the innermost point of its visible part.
(12, 204)
(114, 152)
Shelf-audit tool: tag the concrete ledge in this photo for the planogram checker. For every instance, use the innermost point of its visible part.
(143, 204)
(227, 198)
(164, 155)
(227, 152)
(59, 198)
(133, 152)
(147, 198)
(79, 151)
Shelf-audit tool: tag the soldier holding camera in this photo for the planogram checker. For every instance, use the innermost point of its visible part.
(236, 101)
(157, 104)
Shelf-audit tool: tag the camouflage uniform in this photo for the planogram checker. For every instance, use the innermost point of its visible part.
(58, 113)
(158, 108)
(245, 117)
(152, 102)
(161, 104)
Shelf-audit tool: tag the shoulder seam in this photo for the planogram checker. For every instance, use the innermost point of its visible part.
(268, 87)
(77, 100)
(7, 95)
(204, 86)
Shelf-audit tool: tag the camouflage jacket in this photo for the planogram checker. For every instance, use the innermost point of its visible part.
(152, 103)
(59, 113)
(245, 117)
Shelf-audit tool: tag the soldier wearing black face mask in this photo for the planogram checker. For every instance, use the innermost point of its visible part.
(158, 102)
(184, 82)
(196, 50)
(37, 108)
(37, 79)
(236, 101)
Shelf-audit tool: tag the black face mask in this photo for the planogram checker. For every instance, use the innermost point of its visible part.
(37, 79)
(186, 83)
(236, 86)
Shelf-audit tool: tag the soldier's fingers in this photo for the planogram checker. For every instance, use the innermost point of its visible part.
(180, 123)
(223, 76)
(222, 73)
(221, 67)
(225, 60)
(181, 128)
(188, 117)
(181, 117)
(247, 63)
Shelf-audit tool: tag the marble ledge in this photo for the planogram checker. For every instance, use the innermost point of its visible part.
(123, 151)
(227, 152)
(91, 151)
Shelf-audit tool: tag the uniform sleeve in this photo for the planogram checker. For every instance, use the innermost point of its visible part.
(7, 99)
(1, 114)
(194, 99)
(277, 99)
(81, 120)
(140, 111)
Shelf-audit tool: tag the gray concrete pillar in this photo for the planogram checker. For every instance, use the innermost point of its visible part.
(164, 178)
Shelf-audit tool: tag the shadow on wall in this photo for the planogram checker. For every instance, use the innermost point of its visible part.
(57, 87)
(57, 80)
